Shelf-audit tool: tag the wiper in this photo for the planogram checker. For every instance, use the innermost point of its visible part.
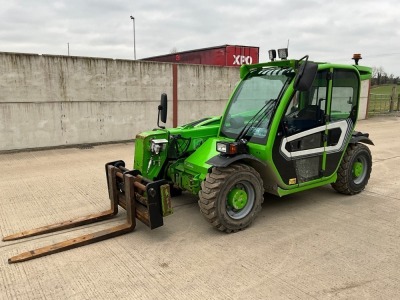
(263, 112)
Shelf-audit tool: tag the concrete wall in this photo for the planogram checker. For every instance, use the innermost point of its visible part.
(50, 100)
(194, 84)
(364, 98)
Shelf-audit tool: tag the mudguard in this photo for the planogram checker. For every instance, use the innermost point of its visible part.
(359, 137)
(224, 161)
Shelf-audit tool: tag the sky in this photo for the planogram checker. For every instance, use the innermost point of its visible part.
(325, 30)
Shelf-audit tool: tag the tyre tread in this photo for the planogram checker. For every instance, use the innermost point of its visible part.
(209, 193)
(343, 182)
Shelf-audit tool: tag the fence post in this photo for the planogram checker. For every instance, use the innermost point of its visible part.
(398, 102)
(392, 98)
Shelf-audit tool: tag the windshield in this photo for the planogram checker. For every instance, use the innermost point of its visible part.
(252, 105)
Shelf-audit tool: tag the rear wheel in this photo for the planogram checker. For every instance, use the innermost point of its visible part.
(354, 171)
(231, 197)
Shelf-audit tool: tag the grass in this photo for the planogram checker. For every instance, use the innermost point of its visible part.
(384, 89)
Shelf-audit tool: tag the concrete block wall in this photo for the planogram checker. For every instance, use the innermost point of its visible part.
(50, 100)
(194, 85)
(364, 97)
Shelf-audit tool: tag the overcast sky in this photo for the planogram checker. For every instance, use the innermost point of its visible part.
(326, 30)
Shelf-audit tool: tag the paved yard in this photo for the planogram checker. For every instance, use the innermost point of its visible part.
(313, 245)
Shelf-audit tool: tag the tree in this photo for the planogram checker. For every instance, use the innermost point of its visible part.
(376, 71)
(378, 76)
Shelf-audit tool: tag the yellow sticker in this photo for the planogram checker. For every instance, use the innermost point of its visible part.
(292, 181)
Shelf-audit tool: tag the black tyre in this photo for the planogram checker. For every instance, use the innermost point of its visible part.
(354, 171)
(231, 197)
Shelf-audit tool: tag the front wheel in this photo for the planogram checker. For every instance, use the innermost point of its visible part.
(354, 171)
(231, 197)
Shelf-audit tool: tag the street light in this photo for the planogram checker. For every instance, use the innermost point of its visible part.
(134, 38)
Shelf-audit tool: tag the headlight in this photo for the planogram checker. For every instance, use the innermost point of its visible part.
(231, 148)
(221, 147)
(157, 146)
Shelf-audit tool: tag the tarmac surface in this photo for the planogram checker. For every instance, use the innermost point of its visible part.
(316, 244)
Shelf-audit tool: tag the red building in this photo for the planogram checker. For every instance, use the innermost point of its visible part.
(225, 55)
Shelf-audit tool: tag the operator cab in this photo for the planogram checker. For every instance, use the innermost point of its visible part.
(316, 126)
(302, 112)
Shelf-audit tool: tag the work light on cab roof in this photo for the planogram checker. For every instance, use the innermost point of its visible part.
(283, 54)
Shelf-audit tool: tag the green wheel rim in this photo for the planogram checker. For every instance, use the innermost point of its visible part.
(237, 198)
(240, 200)
(359, 169)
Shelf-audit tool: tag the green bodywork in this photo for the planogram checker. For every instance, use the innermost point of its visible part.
(187, 167)
(186, 172)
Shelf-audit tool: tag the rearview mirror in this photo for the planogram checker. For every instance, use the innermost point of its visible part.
(305, 76)
(162, 110)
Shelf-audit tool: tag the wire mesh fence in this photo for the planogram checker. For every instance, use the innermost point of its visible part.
(383, 103)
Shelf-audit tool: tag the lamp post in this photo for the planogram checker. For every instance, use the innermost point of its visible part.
(134, 38)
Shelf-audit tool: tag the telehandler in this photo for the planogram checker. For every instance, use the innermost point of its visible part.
(288, 127)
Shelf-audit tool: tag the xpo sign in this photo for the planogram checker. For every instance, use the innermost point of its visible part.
(241, 55)
(239, 60)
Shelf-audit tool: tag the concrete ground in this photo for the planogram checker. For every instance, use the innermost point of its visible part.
(314, 245)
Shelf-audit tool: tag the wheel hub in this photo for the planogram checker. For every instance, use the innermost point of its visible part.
(237, 198)
(358, 168)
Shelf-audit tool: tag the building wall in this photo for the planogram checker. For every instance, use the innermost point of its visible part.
(195, 82)
(364, 97)
(50, 100)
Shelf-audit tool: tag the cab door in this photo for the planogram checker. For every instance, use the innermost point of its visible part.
(299, 151)
(342, 116)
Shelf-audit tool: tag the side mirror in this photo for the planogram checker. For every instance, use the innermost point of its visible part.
(162, 110)
(305, 76)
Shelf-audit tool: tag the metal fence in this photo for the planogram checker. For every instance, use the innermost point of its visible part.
(383, 103)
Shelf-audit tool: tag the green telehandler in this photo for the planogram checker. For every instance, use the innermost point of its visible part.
(288, 127)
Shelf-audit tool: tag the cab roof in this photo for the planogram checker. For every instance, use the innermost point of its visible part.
(365, 72)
